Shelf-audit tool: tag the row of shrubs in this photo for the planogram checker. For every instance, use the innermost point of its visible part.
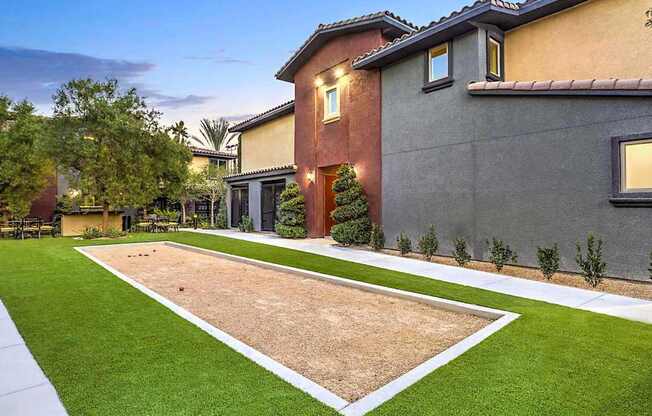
(589, 261)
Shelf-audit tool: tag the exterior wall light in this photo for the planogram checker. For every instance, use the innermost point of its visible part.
(339, 73)
(319, 82)
(310, 176)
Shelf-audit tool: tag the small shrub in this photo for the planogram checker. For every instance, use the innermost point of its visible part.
(114, 233)
(461, 255)
(377, 241)
(91, 233)
(170, 214)
(292, 213)
(501, 254)
(429, 244)
(351, 214)
(404, 243)
(592, 266)
(246, 224)
(548, 259)
(650, 268)
(220, 220)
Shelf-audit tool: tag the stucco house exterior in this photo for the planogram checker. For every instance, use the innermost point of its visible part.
(530, 122)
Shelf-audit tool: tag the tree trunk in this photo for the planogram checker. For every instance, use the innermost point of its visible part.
(105, 217)
(212, 211)
(183, 212)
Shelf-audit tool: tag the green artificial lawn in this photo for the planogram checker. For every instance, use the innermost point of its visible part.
(111, 350)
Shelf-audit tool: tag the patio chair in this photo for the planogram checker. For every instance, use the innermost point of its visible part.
(144, 224)
(173, 225)
(7, 230)
(162, 224)
(31, 227)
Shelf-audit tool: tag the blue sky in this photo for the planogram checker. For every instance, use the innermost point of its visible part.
(204, 58)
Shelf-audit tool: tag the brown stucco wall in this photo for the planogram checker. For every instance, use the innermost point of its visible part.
(354, 138)
(269, 145)
(597, 39)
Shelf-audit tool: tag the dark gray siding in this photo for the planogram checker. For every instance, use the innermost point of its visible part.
(529, 170)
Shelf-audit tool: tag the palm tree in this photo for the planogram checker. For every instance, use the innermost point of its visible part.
(213, 132)
(180, 132)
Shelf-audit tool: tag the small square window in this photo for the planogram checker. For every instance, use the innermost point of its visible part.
(636, 166)
(438, 63)
(494, 58)
(331, 103)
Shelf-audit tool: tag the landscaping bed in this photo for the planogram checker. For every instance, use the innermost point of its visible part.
(350, 341)
(630, 288)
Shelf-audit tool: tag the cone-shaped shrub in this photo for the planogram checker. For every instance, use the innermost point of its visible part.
(352, 212)
(220, 221)
(292, 213)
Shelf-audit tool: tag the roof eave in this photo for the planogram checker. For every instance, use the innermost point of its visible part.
(286, 73)
(264, 118)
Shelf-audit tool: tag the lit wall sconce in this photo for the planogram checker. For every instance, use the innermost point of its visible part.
(319, 82)
(311, 176)
(339, 73)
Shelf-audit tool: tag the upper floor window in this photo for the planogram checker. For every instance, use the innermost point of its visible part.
(438, 63)
(331, 103)
(218, 163)
(494, 59)
(632, 170)
(439, 68)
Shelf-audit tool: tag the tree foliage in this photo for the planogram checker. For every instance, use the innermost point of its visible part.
(404, 244)
(460, 253)
(648, 14)
(24, 164)
(112, 147)
(377, 237)
(501, 253)
(292, 213)
(213, 133)
(212, 187)
(352, 211)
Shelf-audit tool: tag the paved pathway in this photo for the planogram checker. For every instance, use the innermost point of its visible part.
(620, 306)
(24, 389)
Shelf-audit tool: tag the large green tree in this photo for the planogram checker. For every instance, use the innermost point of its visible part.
(24, 165)
(112, 146)
(212, 187)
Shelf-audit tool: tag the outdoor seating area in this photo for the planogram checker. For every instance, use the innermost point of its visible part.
(157, 224)
(33, 227)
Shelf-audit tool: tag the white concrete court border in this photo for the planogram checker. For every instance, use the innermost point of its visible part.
(373, 399)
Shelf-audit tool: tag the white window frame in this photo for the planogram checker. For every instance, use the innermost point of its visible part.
(623, 167)
(336, 115)
(499, 45)
(448, 65)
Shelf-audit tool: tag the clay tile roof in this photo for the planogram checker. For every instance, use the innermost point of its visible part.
(265, 116)
(292, 168)
(611, 86)
(497, 3)
(395, 20)
(200, 151)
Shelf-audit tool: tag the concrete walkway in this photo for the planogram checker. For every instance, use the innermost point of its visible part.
(620, 306)
(24, 389)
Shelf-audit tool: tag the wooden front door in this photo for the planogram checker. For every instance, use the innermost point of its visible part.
(270, 200)
(329, 202)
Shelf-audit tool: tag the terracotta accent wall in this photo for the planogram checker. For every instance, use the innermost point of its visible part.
(268, 145)
(354, 138)
(597, 39)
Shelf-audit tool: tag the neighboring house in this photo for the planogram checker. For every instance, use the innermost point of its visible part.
(532, 163)
(202, 158)
(266, 165)
(440, 132)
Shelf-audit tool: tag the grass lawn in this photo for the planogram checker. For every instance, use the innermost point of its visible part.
(111, 350)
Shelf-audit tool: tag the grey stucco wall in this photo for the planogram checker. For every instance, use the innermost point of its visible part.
(255, 187)
(529, 170)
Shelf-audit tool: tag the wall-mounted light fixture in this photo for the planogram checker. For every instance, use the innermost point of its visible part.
(310, 175)
(339, 73)
(319, 82)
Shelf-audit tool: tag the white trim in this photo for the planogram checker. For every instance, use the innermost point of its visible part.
(373, 399)
(448, 65)
(498, 58)
(327, 115)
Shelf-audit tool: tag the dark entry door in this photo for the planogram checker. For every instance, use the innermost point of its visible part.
(239, 205)
(329, 203)
(270, 200)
